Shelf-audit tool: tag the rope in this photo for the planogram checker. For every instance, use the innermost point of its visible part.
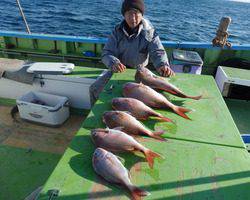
(24, 19)
(222, 34)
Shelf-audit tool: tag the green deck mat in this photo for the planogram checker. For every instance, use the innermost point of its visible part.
(189, 171)
(7, 102)
(201, 164)
(240, 110)
(237, 73)
(22, 171)
(211, 121)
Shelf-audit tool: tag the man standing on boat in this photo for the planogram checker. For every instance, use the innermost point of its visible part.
(134, 41)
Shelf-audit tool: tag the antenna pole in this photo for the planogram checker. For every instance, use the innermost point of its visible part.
(24, 19)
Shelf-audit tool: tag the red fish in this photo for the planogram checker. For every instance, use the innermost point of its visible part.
(128, 124)
(151, 98)
(146, 77)
(118, 141)
(137, 108)
(108, 166)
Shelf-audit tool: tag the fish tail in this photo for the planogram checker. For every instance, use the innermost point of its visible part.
(157, 135)
(137, 193)
(165, 119)
(181, 94)
(181, 111)
(150, 156)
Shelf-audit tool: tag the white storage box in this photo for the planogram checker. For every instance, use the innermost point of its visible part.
(76, 88)
(186, 62)
(43, 108)
(50, 68)
(231, 79)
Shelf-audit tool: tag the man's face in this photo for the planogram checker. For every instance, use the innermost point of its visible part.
(133, 18)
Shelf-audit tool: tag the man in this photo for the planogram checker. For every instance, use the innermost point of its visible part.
(134, 41)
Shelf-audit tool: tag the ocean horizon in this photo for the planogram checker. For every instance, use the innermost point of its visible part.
(174, 20)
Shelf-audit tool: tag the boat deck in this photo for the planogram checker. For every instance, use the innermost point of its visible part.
(205, 158)
(29, 151)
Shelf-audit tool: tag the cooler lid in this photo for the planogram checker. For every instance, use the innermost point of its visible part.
(187, 56)
(50, 68)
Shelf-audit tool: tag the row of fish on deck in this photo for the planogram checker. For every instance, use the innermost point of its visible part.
(123, 122)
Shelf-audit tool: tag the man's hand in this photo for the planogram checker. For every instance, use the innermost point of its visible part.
(119, 67)
(165, 71)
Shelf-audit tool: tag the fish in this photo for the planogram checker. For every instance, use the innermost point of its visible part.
(118, 141)
(128, 124)
(151, 98)
(109, 167)
(137, 109)
(148, 78)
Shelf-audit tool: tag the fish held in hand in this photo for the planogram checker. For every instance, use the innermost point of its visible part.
(108, 166)
(118, 141)
(148, 78)
(151, 98)
(129, 124)
(137, 109)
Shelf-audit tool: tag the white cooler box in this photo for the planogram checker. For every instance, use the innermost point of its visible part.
(186, 62)
(43, 108)
(231, 80)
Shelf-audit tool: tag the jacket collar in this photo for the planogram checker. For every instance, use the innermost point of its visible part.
(144, 26)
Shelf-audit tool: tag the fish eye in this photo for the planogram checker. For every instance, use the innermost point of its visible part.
(93, 133)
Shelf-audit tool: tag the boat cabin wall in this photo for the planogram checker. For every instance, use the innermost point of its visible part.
(84, 51)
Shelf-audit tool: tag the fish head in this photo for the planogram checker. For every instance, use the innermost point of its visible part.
(139, 74)
(110, 116)
(94, 134)
(128, 87)
(116, 102)
(98, 133)
(99, 154)
(142, 71)
(107, 115)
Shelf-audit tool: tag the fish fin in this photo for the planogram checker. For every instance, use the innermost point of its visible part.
(181, 111)
(150, 156)
(157, 135)
(169, 91)
(128, 112)
(129, 174)
(143, 118)
(182, 95)
(162, 78)
(113, 107)
(137, 193)
(103, 120)
(158, 132)
(165, 119)
(118, 128)
(120, 158)
(195, 97)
